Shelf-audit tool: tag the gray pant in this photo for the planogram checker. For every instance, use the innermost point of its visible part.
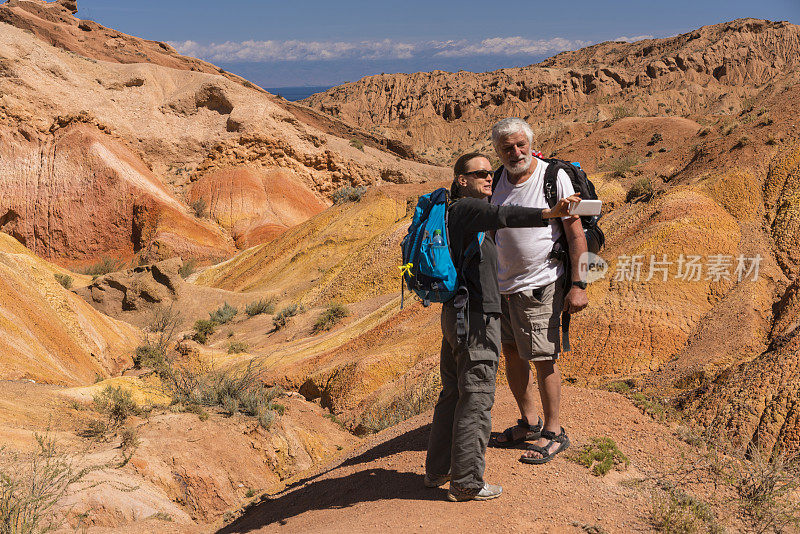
(462, 421)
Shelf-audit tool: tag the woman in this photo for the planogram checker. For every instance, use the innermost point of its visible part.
(461, 419)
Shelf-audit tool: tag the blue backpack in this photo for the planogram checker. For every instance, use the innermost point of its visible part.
(428, 268)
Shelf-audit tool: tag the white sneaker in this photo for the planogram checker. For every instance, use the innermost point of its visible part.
(487, 492)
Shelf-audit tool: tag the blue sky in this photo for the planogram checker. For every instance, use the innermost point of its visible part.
(318, 42)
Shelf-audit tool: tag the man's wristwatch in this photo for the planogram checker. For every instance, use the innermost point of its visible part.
(580, 283)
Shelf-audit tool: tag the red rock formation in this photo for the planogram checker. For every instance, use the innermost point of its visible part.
(255, 204)
(175, 118)
(79, 193)
(754, 403)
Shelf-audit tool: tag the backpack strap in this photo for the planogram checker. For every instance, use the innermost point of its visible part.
(550, 185)
(496, 177)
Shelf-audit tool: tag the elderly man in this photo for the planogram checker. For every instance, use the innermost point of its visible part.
(535, 290)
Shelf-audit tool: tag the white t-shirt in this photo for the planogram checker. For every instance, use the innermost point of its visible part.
(522, 261)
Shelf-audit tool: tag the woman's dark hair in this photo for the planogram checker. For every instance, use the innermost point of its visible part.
(459, 168)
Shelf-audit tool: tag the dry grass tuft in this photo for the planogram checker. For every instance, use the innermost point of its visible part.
(329, 318)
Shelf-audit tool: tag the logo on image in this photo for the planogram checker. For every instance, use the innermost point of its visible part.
(593, 267)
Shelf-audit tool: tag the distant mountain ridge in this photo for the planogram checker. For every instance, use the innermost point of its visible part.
(710, 70)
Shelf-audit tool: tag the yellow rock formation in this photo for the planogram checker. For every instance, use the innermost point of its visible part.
(49, 334)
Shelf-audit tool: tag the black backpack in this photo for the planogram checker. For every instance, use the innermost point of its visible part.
(595, 238)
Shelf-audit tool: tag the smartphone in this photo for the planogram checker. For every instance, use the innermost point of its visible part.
(586, 207)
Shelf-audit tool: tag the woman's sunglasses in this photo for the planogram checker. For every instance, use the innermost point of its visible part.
(482, 174)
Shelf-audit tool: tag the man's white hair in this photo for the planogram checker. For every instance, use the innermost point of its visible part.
(509, 126)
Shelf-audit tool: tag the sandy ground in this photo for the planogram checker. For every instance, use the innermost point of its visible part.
(379, 487)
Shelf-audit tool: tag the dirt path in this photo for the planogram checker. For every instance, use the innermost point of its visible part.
(379, 487)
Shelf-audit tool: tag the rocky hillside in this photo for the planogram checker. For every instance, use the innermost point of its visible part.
(128, 148)
(49, 334)
(705, 122)
(712, 70)
(114, 145)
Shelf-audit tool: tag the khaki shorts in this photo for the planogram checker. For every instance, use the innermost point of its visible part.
(532, 321)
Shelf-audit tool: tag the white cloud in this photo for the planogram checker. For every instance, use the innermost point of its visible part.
(267, 51)
(511, 46)
(634, 39)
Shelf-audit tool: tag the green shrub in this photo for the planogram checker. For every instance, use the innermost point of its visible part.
(676, 512)
(116, 403)
(357, 143)
(348, 193)
(332, 315)
(237, 347)
(32, 485)
(260, 306)
(651, 406)
(657, 138)
(95, 430)
(161, 516)
(742, 142)
(148, 356)
(254, 398)
(229, 404)
(412, 400)
(641, 189)
(104, 266)
(601, 456)
(282, 318)
(199, 207)
(196, 409)
(620, 168)
(265, 418)
(224, 314)
(203, 328)
(187, 268)
(698, 151)
(334, 419)
(686, 434)
(618, 386)
(767, 489)
(620, 112)
(772, 140)
(129, 439)
(159, 335)
(64, 279)
(232, 390)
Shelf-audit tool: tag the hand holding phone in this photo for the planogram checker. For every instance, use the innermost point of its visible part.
(586, 207)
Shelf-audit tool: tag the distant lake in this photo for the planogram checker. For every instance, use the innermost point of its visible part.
(297, 93)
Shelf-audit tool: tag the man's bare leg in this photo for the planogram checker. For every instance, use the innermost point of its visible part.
(548, 376)
(520, 380)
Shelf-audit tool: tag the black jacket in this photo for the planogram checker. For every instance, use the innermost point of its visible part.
(467, 217)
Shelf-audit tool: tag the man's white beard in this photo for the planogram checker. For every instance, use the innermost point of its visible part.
(521, 166)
